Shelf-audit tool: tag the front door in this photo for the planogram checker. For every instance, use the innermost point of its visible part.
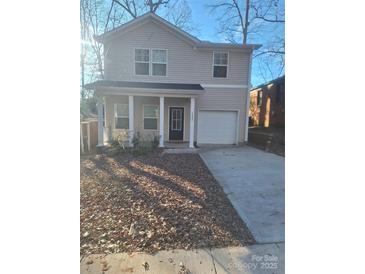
(176, 123)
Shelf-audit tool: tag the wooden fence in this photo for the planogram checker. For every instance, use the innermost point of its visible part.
(88, 136)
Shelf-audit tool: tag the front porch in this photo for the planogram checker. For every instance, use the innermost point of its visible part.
(169, 119)
(165, 111)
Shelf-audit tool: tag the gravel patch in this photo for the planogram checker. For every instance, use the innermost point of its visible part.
(155, 202)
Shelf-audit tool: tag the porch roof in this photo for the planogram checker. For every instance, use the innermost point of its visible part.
(144, 85)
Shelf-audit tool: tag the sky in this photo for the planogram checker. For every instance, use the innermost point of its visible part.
(207, 27)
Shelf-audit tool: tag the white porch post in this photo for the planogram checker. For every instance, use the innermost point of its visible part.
(100, 122)
(162, 108)
(192, 121)
(131, 118)
(88, 137)
(82, 139)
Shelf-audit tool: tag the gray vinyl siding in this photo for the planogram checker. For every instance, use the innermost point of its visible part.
(139, 101)
(185, 64)
(223, 99)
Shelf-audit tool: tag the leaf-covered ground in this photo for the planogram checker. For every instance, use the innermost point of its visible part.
(148, 203)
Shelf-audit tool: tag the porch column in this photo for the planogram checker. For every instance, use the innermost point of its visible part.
(192, 120)
(162, 109)
(100, 122)
(131, 118)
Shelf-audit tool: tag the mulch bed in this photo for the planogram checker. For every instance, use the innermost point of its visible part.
(152, 202)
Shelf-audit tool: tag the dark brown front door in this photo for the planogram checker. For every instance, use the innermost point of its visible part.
(176, 123)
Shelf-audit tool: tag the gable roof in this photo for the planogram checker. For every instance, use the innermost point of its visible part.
(150, 16)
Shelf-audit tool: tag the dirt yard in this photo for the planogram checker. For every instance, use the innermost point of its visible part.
(148, 203)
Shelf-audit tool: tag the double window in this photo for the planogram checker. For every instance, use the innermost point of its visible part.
(220, 64)
(150, 62)
(150, 116)
(121, 116)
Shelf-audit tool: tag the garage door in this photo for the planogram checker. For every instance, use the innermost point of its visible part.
(217, 127)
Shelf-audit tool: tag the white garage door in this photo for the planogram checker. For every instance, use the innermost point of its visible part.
(217, 127)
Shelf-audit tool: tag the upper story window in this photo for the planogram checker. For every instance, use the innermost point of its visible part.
(220, 64)
(142, 61)
(159, 62)
(156, 61)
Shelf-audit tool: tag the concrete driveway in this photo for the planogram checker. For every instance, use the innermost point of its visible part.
(254, 182)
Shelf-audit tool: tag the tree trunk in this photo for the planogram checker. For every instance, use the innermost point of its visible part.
(246, 22)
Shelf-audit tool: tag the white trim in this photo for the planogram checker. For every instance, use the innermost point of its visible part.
(88, 137)
(191, 40)
(115, 116)
(192, 122)
(158, 118)
(213, 65)
(212, 109)
(135, 23)
(168, 122)
(162, 121)
(130, 119)
(104, 108)
(222, 86)
(100, 101)
(82, 139)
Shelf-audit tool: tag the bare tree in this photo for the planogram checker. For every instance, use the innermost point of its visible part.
(179, 13)
(136, 7)
(254, 20)
(93, 15)
(98, 16)
(155, 5)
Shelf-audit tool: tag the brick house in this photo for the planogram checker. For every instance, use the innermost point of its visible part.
(267, 104)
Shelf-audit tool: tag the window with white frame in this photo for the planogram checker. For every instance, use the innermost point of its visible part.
(142, 61)
(159, 62)
(220, 64)
(121, 112)
(150, 116)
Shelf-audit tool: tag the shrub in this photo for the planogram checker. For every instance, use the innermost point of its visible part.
(141, 145)
(155, 141)
(119, 142)
(144, 145)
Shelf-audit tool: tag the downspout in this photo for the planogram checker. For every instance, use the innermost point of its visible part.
(248, 96)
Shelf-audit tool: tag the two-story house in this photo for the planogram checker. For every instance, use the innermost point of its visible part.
(160, 80)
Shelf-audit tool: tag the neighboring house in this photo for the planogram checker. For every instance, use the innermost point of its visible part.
(267, 104)
(160, 80)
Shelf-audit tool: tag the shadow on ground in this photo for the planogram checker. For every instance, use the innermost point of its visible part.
(154, 202)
